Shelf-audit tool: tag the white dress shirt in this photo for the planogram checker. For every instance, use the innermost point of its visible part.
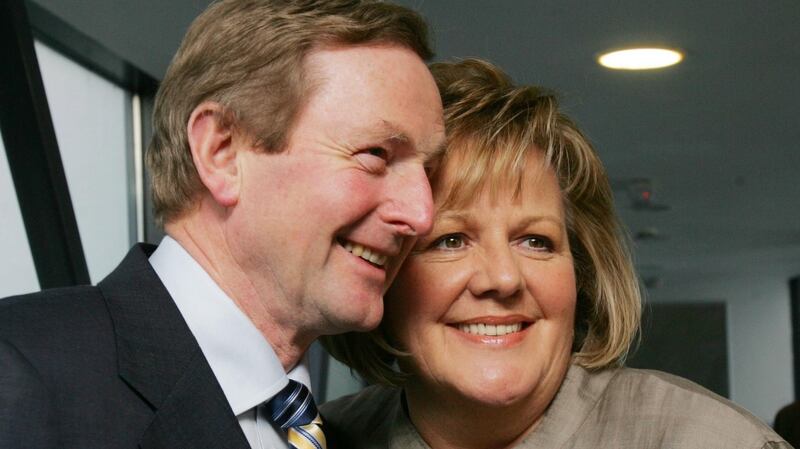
(244, 363)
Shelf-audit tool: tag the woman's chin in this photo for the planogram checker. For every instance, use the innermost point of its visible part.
(496, 391)
(501, 400)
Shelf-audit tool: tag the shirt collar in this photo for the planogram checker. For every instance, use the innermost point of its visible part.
(244, 363)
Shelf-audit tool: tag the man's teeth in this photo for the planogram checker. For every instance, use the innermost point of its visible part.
(366, 253)
(490, 329)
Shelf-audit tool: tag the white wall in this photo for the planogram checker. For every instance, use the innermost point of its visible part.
(759, 335)
(17, 273)
(91, 120)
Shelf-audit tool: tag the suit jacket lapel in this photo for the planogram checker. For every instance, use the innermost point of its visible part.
(194, 415)
(160, 359)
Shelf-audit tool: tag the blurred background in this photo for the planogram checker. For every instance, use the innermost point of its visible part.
(704, 157)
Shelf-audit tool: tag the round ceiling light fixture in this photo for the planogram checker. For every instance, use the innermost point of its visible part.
(640, 58)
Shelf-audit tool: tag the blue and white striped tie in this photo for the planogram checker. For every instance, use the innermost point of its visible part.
(293, 409)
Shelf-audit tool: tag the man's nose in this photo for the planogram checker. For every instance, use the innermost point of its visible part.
(410, 205)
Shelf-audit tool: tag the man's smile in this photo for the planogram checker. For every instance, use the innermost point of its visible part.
(371, 255)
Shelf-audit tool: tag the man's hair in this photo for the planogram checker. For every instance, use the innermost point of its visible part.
(248, 56)
(492, 126)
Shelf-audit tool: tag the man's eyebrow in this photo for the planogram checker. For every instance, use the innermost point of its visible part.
(389, 131)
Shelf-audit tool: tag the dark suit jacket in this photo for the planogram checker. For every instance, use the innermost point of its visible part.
(112, 366)
(787, 423)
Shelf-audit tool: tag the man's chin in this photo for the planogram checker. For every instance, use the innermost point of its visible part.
(363, 319)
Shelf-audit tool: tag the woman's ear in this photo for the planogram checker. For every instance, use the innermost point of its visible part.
(214, 152)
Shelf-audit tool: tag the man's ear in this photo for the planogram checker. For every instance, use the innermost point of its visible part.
(214, 151)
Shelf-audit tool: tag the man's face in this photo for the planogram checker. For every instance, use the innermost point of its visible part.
(350, 186)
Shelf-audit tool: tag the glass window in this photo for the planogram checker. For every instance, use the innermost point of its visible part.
(91, 117)
(17, 272)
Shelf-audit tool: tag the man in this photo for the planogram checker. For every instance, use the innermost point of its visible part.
(288, 166)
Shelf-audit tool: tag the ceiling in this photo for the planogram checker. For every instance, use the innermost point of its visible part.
(718, 136)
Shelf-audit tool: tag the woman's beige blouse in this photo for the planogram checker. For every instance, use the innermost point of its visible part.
(614, 408)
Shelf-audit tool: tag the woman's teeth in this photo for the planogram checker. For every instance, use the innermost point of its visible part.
(490, 329)
(366, 253)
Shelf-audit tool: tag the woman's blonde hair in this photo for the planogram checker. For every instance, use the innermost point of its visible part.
(248, 56)
(492, 125)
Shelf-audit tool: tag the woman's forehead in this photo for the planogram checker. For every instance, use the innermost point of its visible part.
(465, 177)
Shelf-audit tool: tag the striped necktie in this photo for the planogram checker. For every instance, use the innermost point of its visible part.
(293, 409)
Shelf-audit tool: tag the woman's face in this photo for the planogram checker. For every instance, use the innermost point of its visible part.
(485, 304)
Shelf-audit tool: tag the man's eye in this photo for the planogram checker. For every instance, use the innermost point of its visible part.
(378, 152)
(449, 242)
(373, 159)
(537, 243)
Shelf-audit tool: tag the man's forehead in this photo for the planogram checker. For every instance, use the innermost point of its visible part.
(383, 117)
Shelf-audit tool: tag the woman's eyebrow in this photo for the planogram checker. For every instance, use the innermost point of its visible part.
(458, 216)
(462, 216)
(541, 218)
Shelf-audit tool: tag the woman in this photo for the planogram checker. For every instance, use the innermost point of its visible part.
(509, 322)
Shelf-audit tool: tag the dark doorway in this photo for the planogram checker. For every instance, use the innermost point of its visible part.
(686, 339)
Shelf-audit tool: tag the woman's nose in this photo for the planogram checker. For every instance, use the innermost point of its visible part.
(497, 275)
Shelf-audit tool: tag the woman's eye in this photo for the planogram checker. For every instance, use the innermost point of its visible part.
(537, 243)
(449, 242)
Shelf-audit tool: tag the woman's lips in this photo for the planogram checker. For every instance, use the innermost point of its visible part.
(490, 329)
(493, 330)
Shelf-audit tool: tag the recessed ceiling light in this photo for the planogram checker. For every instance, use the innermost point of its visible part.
(640, 58)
